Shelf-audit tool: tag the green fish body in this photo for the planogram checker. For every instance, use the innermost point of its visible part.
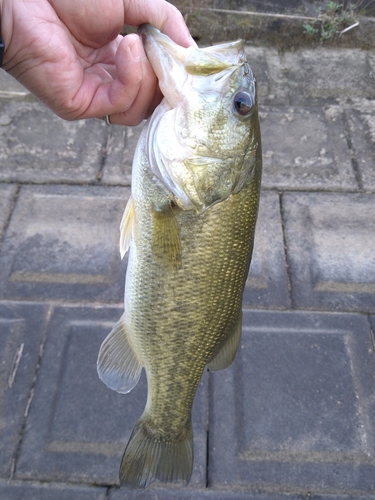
(189, 226)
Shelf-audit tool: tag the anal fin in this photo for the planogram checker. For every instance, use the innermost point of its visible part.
(227, 351)
(118, 366)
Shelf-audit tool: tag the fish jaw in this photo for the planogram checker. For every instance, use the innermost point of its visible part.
(173, 63)
(199, 146)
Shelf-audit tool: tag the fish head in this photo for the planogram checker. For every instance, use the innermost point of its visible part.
(203, 139)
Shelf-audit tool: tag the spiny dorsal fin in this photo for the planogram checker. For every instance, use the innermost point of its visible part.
(118, 365)
(126, 227)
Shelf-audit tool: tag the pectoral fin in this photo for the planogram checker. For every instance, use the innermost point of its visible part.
(166, 246)
(126, 227)
(224, 357)
(118, 365)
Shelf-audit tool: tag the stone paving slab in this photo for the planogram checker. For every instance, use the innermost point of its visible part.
(306, 148)
(121, 145)
(21, 333)
(34, 491)
(331, 250)
(7, 196)
(323, 73)
(62, 243)
(311, 76)
(37, 146)
(77, 428)
(267, 282)
(173, 494)
(296, 410)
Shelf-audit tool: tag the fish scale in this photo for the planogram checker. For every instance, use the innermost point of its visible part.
(190, 244)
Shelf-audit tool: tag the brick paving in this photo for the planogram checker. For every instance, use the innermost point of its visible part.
(294, 416)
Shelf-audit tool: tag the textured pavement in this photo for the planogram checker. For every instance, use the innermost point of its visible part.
(294, 416)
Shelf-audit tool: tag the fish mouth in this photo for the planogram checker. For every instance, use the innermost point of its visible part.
(173, 64)
(196, 61)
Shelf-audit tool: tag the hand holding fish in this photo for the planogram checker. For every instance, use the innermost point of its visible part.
(71, 56)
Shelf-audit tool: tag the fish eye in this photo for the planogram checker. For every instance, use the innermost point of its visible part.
(243, 103)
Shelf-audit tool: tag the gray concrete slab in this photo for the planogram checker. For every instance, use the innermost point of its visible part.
(7, 196)
(331, 250)
(37, 146)
(21, 332)
(267, 282)
(62, 243)
(122, 142)
(35, 491)
(77, 428)
(311, 76)
(306, 148)
(296, 411)
(323, 73)
(173, 494)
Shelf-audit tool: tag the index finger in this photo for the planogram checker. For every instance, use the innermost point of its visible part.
(161, 14)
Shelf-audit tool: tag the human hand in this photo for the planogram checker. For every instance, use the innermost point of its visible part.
(68, 53)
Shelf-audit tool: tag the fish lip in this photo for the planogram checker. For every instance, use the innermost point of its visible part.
(147, 31)
(144, 31)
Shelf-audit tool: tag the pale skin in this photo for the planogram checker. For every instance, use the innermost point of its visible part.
(69, 54)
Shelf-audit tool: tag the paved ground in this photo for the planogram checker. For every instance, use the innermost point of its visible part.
(294, 417)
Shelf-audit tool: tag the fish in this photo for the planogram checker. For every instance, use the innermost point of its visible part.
(189, 229)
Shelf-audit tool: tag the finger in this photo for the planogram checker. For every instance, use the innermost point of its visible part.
(93, 23)
(139, 91)
(129, 97)
(163, 15)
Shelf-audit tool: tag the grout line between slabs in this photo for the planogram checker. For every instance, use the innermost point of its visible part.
(31, 393)
(286, 252)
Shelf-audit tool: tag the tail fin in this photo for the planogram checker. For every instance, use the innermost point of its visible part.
(149, 457)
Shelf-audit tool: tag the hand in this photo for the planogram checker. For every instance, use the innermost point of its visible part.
(69, 54)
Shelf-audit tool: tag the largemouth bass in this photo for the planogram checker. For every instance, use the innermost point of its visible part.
(189, 226)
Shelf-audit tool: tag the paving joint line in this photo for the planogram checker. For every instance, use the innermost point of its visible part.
(353, 156)
(31, 393)
(11, 210)
(286, 253)
(209, 390)
(105, 148)
(372, 332)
